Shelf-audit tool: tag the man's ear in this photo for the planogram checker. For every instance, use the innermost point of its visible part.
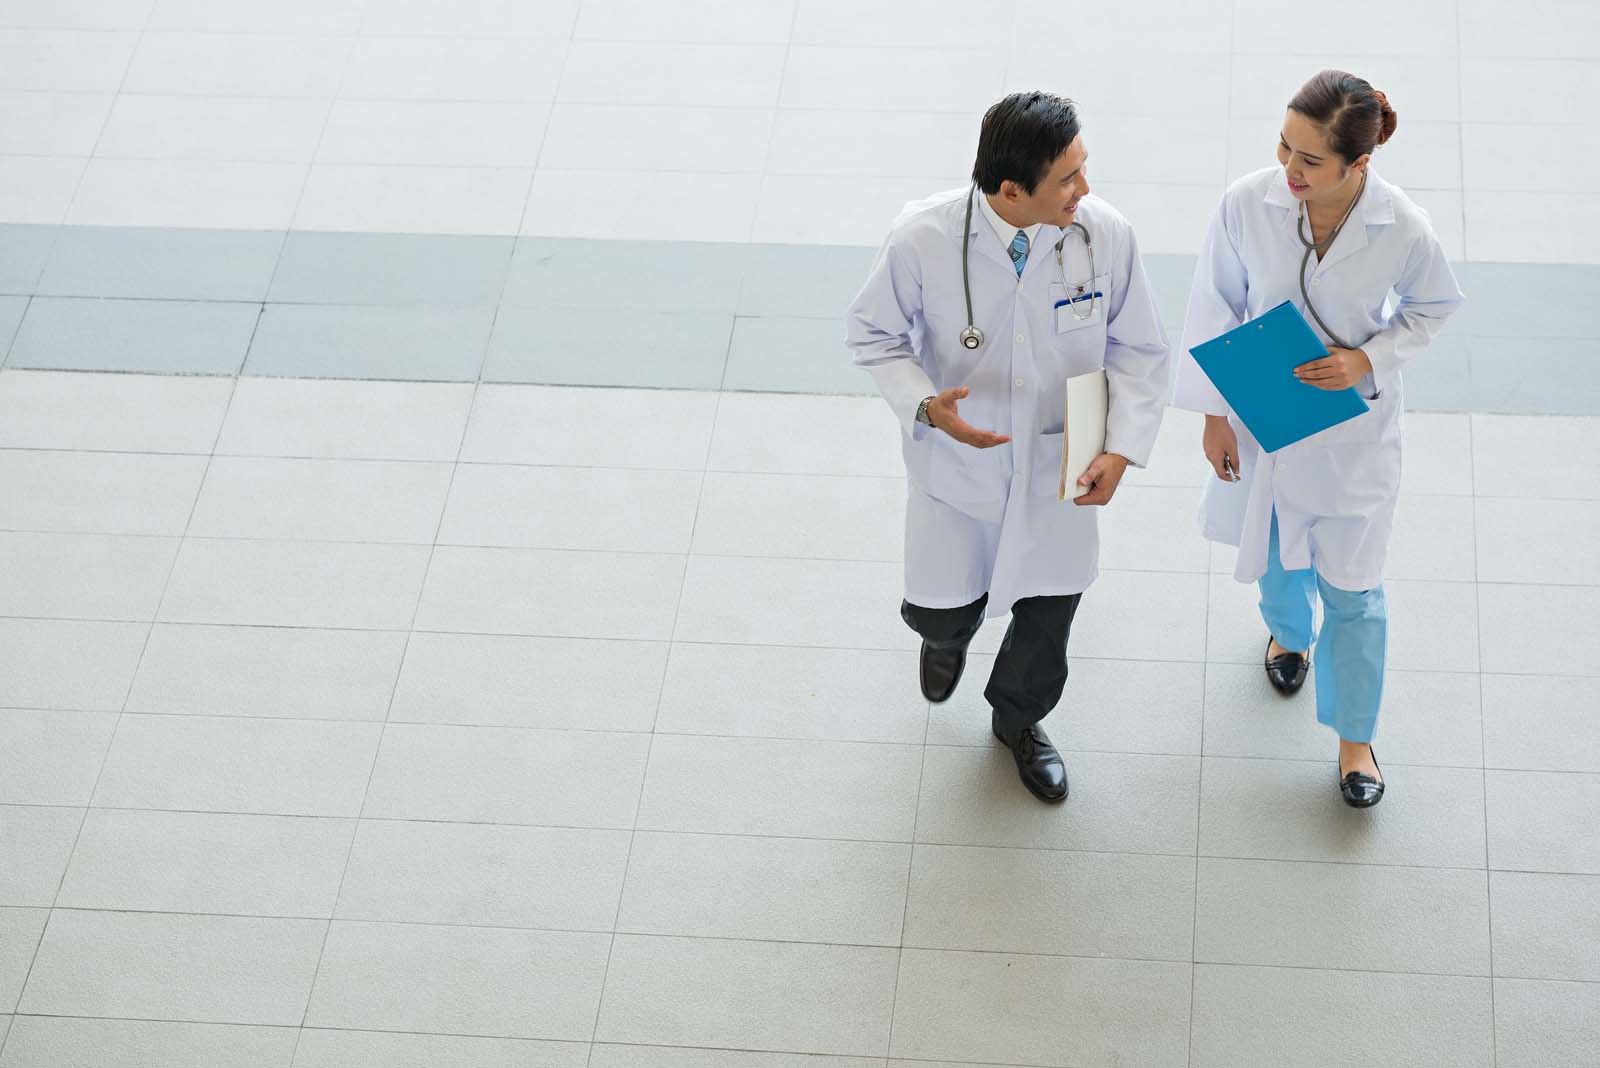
(1010, 190)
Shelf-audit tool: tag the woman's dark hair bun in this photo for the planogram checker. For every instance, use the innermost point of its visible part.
(1387, 119)
(1358, 117)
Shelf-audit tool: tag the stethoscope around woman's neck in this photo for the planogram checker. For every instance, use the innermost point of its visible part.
(1321, 246)
(972, 337)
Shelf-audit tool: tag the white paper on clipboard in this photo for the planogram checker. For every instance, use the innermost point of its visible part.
(1083, 431)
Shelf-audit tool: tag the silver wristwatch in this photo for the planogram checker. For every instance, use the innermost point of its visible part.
(922, 412)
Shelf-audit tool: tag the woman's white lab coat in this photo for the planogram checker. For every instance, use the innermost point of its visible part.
(987, 520)
(1334, 492)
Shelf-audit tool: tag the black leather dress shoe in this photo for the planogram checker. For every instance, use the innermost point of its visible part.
(1361, 790)
(940, 670)
(1038, 764)
(1286, 672)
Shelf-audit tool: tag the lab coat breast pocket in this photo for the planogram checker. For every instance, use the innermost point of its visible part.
(1081, 307)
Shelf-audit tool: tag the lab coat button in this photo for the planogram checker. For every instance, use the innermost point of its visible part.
(1019, 383)
(1021, 340)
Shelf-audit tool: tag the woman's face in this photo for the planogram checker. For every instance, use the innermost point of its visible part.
(1314, 171)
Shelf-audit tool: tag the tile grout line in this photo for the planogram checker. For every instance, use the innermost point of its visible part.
(687, 734)
(105, 756)
(59, 226)
(711, 643)
(1205, 676)
(88, 161)
(422, 584)
(377, 753)
(330, 540)
(694, 832)
(533, 175)
(644, 777)
(1477, 584)
(5, 359)
(305, 182)
(1483, 731)
(766, 160)
(673, 936)
(911, 864)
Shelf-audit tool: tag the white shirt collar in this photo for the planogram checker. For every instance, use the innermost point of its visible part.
(1004, 230)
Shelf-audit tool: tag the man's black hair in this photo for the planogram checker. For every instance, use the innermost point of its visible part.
(1021, 137)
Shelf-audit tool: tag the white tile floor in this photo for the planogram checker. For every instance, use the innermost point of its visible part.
(328, 740)
(354, 724)
(797, 121)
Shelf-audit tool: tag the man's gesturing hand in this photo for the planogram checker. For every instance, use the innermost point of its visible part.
(942, 414)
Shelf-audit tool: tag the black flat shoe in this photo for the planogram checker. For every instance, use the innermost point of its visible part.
(1039, 766)
(940, 670)
(1286, 672)
(1359, 789)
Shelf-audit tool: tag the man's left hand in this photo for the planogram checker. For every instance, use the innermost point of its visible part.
(1103, 476)
(1340, 369)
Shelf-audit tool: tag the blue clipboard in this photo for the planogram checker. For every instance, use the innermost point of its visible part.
(1253, 365)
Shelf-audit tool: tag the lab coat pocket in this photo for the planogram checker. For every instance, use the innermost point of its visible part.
(1045, 477)
(950, 471)
(1082, 307)
(1370, 426)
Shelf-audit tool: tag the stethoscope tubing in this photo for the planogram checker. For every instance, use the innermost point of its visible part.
(1316, 246)
(972, 337)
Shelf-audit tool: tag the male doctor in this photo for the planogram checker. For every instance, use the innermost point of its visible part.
(982, 303)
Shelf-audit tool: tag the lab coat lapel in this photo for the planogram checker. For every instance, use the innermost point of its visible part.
(981, 241)
(1376, 209)
(1278, 196)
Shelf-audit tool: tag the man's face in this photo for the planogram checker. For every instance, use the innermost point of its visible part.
(1055, 199)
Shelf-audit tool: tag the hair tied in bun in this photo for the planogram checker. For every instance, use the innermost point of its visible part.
(1387, 119)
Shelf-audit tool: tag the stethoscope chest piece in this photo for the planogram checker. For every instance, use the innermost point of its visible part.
(971, 338)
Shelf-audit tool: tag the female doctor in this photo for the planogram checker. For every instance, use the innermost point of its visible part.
(1324, 231)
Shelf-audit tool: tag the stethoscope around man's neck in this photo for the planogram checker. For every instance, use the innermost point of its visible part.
(972, 337)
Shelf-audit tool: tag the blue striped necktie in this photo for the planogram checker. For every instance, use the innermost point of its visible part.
(1019, 251)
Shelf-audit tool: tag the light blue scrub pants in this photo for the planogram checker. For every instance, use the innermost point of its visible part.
(1348, 665)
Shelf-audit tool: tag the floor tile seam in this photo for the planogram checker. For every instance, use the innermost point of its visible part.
(908, 884)
(1483, 728)
(59, 296)
(110, 745)
(821, 1058)
(691, 552)
(437, 821)
(88, 161)
(544, 138)
(644, 776)
(294, 211)
(644, 934)
(750, 234)
(619, 637)
(377, 750)
(306, 167)
(557, 728)
(1205, 689)
(5, 360)
(1138, 489)
(199, 1022)
(500, 303)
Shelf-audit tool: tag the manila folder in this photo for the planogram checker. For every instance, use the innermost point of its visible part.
(1083, 432)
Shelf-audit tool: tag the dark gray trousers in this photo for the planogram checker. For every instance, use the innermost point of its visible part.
(1031, 668)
